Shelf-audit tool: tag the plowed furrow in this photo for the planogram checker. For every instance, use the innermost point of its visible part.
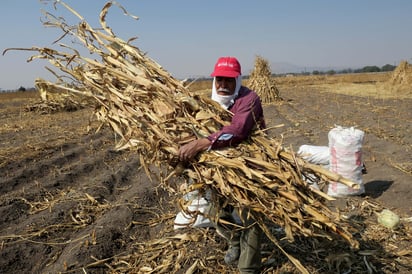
(51, 162)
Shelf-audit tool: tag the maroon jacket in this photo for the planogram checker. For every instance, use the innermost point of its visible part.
(247, 116)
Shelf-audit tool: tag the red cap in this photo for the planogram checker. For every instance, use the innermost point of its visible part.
(227, 67)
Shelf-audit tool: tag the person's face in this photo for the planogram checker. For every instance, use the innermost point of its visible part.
(225, 85)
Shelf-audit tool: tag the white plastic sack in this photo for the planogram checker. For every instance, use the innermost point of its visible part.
(199, 206)
(318, 155)
(197, 220)
(345, 147)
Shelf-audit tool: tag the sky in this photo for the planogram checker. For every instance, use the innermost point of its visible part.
(186, 37)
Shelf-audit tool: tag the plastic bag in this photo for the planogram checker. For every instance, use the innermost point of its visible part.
(196, 211)
(199, 206)
(345, 148)
(318, 155)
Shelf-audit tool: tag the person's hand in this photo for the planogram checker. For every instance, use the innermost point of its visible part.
(190, 150)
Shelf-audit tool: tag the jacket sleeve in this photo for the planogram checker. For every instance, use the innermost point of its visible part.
(247, 116)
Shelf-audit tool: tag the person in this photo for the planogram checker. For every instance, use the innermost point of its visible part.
(246, 107)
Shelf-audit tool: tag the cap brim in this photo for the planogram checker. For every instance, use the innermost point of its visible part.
(230, 74)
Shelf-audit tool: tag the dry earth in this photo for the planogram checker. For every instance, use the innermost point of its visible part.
(70, 204)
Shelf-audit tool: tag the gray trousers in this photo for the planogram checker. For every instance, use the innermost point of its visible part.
(246, 235)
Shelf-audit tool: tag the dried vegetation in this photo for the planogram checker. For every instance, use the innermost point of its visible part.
(263, 83)
(401, 80)
(154, 114)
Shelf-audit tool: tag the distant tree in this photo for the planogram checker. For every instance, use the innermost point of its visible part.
(331, 72)
(315, 72)
(371, 69)
(346, 71)
(22, 88)
(388, 67)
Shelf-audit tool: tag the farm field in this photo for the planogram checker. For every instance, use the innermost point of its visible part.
(69, 203)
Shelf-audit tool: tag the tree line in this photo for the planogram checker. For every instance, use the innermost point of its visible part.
(366, 69)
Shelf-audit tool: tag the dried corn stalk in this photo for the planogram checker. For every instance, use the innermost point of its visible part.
(54, 99)
(401, 80)
(261, 81)
(155, 114)
(402, 75)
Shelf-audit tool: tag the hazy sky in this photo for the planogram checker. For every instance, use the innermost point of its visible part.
(187, 36)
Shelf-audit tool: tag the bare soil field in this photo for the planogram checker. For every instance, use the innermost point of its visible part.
(69, 203)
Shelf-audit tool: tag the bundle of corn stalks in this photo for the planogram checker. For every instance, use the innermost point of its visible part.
(262, 82)
(401, 79)
(402, 74)
(54, 99)
(155, 114)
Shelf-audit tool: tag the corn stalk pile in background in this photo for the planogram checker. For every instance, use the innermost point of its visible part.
(155, 114)
(401, 80)
(262, 82)
(54, 99)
